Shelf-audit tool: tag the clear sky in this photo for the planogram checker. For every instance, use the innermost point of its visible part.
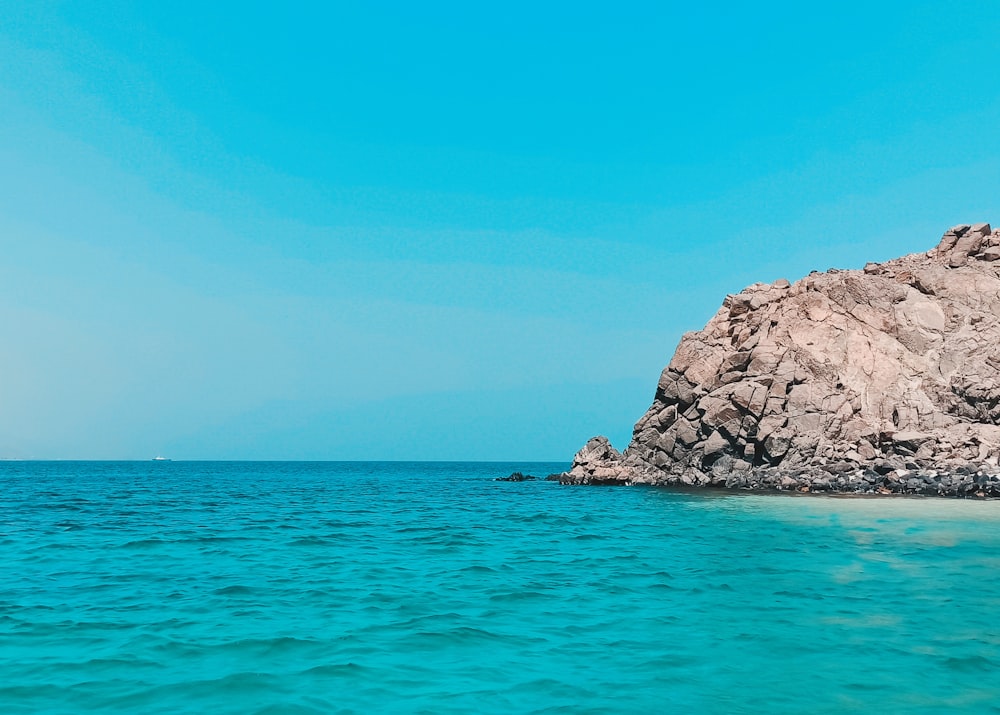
(442, 230)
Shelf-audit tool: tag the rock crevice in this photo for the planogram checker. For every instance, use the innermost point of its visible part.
(861, 380)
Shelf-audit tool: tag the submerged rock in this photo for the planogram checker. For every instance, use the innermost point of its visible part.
(840, 381)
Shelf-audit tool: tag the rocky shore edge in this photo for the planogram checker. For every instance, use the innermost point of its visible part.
(601, 464)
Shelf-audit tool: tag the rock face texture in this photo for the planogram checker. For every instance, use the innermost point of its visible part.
(881, 380)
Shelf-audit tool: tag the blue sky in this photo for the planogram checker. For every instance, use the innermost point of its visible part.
(448, 230)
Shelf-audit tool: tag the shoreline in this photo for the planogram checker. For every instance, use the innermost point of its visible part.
(966, 482)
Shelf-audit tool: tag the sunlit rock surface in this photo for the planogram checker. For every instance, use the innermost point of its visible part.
(885, 379)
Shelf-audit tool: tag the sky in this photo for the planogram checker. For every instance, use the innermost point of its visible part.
(469, 231)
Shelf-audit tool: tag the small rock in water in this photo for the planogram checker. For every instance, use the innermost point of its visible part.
(516, 477)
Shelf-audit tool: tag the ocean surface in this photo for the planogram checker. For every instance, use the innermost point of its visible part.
(185, 587)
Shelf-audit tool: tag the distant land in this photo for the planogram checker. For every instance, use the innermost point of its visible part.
(877, 381)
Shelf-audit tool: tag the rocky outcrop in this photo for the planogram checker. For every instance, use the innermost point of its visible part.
(885, 379)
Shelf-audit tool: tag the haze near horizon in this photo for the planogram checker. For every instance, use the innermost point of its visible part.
(382, 231)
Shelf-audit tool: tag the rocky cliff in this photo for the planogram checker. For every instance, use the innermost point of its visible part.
(880, 380)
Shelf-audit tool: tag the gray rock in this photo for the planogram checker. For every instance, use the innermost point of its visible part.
(516, 477)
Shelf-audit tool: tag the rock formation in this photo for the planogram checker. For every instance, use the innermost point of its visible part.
(880, 380)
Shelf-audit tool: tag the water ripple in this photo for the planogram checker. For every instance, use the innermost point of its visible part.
(362, 587)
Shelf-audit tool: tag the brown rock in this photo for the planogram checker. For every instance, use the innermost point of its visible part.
(900, 361)
(980, 229)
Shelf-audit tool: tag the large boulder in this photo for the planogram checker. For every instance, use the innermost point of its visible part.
(894, 366)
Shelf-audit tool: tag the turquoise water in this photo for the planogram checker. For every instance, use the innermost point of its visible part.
(363, 587)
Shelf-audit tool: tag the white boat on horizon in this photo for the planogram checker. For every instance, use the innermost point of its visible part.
(161, 459)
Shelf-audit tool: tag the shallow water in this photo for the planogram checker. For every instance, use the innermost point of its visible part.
(409, 587)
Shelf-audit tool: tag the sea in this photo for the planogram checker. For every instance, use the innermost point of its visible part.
(384, 587)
